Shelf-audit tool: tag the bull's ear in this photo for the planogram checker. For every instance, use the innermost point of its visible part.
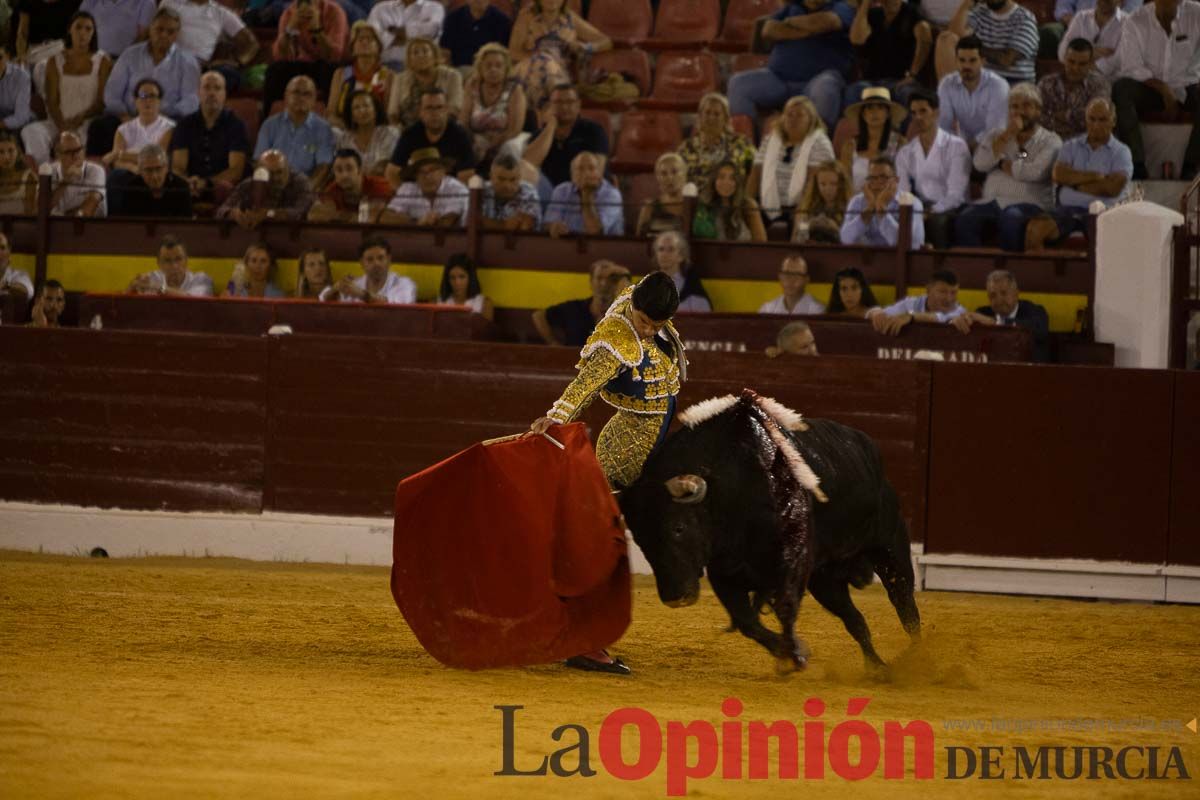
(687, 488)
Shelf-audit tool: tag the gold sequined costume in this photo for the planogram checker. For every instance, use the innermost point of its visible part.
(638, 377)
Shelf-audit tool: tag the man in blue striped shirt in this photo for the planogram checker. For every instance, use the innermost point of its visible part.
(1009, 33)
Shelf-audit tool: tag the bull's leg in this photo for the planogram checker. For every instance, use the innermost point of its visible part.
(834, 593)
(893, 565)
(745, 615)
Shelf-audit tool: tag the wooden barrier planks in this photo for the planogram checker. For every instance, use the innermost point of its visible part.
(117, 419)
(1184, 547)
(1044, 462)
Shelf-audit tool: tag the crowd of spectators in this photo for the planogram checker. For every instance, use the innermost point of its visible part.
(902, 87)
(384, 112)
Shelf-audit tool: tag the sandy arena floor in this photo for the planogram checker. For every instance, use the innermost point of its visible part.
(205, 678)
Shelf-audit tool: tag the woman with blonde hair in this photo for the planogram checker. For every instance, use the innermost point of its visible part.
(494, 104)
(548, 40)
(422, 71)
(825, 197)
(254, 275)
(664, 211)
(365, 72)
(725, 212)
(714, 141)
(797, 142)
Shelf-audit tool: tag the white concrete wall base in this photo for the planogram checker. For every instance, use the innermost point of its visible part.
(1061, 577)
(73, 530)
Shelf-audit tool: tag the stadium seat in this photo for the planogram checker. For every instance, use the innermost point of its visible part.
(644, 136)
(739, 22)
(1042, 9)
(685, 23)
(744, 125)
(625, 21)
(844, 132)
(601, 117)
(632, 63)
(681, 79)
(744, 62)
(247, 109)
(635, 190)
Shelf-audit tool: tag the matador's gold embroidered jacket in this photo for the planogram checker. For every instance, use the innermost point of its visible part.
(638, 377)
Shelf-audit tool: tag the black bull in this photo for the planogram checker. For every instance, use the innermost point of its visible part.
(721, 497)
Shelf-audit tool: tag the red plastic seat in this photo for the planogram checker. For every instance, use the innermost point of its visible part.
(744, 62)
(637, 189)
(739, 22)
(625, 21)
(1043, 10)
(743, 125)
(644, 136)
(686, 23)
(248, 110)
(681, 79)
(844, 132)
(632, 63)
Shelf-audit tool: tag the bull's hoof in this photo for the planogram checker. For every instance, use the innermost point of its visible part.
(786, 665)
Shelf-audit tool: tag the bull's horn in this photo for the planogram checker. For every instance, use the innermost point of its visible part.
(687, 488)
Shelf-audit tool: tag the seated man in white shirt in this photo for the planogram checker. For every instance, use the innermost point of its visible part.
(216, 36)
(935, 165)
(793, 279)
(12, 280)
(873, 215)
(172, 276)
(377, 284)
(428, 197)
(401, 20)
(78, 184)
(1158, 53)
(938, 304)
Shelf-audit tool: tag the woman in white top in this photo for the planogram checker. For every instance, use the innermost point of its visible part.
(780, 171)
(878, 121)
(368, 135)
(460, 287)
(148, 127)
(75, 80)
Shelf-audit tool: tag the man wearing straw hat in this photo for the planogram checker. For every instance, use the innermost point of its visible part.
(428, 197)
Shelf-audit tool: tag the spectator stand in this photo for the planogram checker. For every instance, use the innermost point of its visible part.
(520, 271)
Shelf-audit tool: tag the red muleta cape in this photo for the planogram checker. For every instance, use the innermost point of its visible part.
(512, 554)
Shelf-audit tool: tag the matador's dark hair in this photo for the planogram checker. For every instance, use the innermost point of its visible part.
(656, 296)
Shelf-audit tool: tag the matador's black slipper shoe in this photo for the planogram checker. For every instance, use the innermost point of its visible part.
(614, 667)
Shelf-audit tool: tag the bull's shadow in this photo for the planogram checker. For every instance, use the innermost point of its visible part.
(772, 506)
